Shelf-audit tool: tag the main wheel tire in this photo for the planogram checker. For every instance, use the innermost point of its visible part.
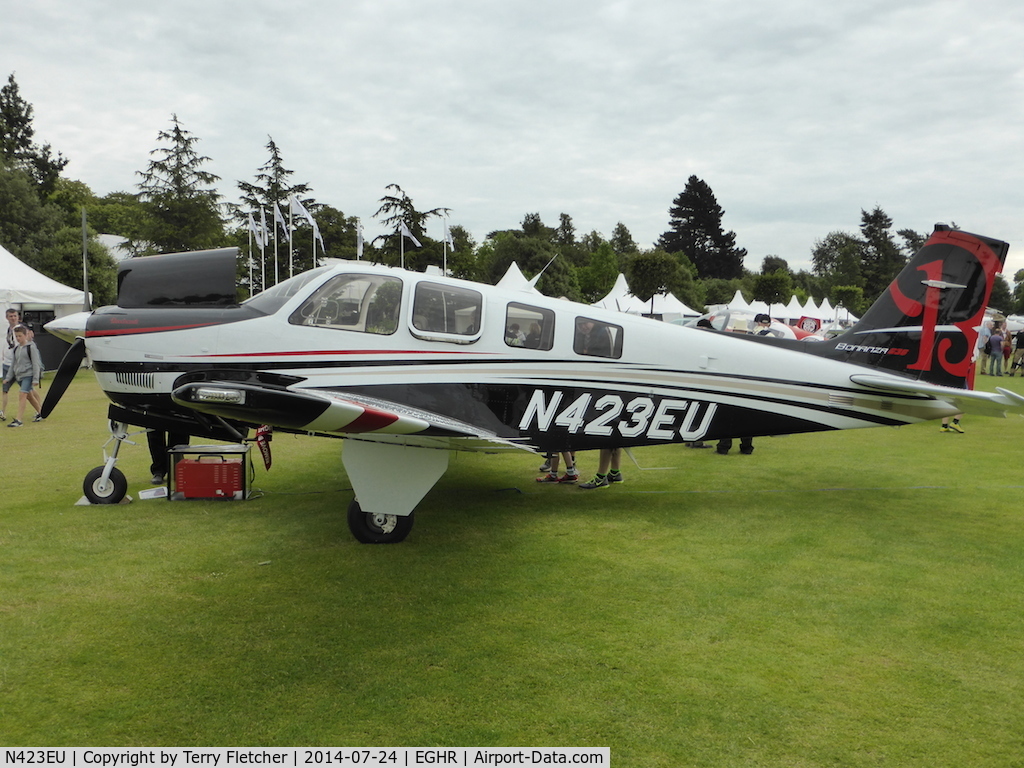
(371, 528)
(111, 492)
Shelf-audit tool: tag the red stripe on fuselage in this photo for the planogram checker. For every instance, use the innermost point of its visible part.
(134, 331)
(332, 352)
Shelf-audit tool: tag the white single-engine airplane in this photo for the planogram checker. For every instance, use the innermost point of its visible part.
(408, 366)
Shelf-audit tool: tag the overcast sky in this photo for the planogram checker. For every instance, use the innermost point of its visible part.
(797, 113)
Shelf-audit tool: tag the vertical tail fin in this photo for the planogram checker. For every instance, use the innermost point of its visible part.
(925, 325)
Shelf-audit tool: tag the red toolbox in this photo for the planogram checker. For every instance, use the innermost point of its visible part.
(207, 472)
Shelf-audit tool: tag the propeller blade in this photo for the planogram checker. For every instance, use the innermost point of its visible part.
(65, 375)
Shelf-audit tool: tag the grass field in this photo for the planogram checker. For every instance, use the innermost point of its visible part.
(841, 599)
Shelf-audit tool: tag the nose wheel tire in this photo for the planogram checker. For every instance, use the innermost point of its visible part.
(110, 492)
(377, 528)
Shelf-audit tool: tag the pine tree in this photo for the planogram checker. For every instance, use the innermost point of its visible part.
(882, 259)
(696, 230)
(397, 210)
(272, 186)
(181, 207)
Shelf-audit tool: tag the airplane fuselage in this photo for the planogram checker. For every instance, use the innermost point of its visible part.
(517, 367)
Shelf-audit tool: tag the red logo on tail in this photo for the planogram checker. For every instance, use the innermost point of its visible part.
(928, 310)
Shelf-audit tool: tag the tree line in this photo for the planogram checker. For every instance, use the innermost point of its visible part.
(177, 206)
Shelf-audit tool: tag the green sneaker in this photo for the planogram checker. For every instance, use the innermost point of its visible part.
(599, 481)
(615, 477)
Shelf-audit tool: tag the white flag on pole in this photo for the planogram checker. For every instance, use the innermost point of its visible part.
(316, 233)
(448, 236)
(257, 233)
(359, 240)
(279, 218)
(299, 208)
(406, 233)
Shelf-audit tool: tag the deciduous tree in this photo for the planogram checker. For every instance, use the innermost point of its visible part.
(16, 145)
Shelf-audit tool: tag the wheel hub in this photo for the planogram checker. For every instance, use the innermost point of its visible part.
(384, 523)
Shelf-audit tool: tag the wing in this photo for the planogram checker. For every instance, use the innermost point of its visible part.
(996, 403)
(342, 414)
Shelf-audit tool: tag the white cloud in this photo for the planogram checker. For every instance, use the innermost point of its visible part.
(797, 114)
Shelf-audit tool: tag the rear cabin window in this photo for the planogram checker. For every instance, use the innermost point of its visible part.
(597, 339)
(530, 327)
(446, 313)
(363, 303)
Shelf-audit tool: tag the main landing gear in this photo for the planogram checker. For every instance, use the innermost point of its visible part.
(377, 528)
(107, 484)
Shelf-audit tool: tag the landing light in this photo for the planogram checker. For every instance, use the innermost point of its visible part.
(218, 395)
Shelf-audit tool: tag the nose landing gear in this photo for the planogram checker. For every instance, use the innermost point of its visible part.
(107, 484)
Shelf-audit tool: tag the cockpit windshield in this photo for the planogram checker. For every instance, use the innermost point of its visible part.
(272, 299)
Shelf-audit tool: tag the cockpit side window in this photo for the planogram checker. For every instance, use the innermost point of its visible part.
(446, 312)
(528, 326)
(597, 339)
(362, 303)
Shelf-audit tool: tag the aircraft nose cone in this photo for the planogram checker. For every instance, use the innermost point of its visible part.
(68, 327)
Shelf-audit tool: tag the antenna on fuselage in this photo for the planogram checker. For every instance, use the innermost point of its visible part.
(535, 278)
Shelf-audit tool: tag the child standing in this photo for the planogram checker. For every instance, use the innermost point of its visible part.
(26, 369)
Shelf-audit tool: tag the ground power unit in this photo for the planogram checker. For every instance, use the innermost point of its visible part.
(208, 472)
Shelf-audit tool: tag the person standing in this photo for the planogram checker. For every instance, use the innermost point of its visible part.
(26, 369)
(13, 321)
(984, 334)
(571, 473)
(725, 445)
(995, 353)
(1018, 352)
(607, 470)
(952, 425)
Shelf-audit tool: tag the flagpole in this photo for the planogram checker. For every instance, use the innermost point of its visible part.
(263, 249)
(401, 239)
(277, 272)
(86, 302)
(250, 258)
(291, 232)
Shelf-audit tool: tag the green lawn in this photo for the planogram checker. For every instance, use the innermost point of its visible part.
(841, 599)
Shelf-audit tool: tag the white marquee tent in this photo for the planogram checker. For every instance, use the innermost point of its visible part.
(617, 297)
(25, 288)
(665, 304)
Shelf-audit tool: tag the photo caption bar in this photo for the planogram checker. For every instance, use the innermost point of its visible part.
(220, 757)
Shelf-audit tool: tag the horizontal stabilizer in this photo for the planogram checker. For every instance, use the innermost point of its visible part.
(966, 400)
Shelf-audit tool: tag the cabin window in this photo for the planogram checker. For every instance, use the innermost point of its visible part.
(597, 339)
(530, 327)
(446, 309)
(363, 303)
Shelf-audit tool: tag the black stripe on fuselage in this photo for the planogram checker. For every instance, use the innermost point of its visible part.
(479, 392)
